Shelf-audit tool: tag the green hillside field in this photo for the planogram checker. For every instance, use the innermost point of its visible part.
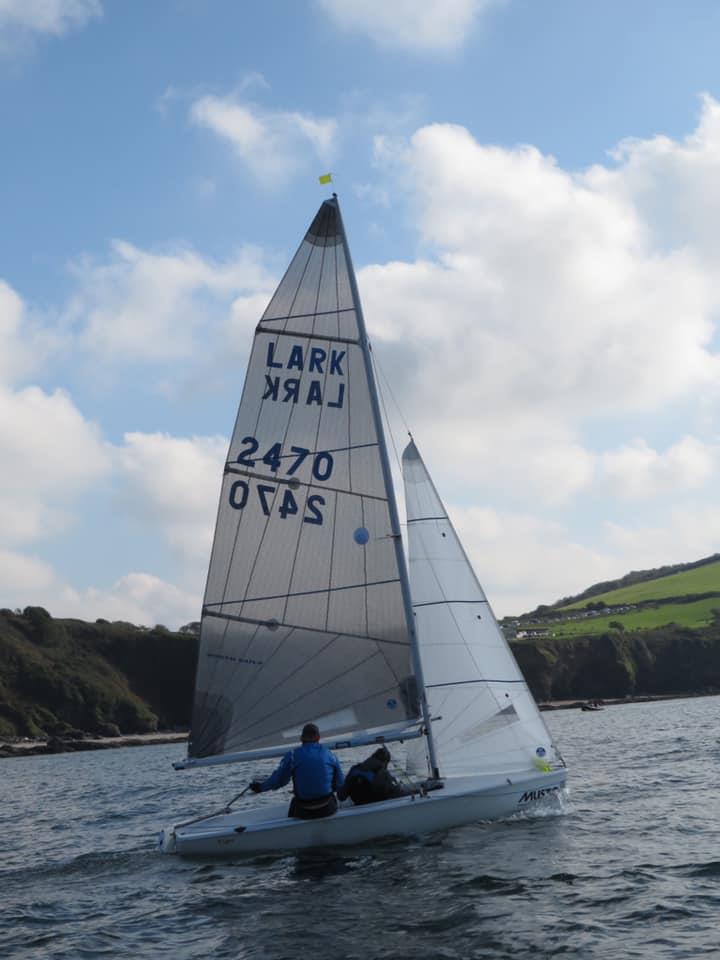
(705, 579)
(700, 613)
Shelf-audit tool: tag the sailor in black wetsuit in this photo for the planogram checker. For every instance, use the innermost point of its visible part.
(371, 781)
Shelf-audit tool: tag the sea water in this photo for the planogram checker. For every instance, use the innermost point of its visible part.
(630, 869)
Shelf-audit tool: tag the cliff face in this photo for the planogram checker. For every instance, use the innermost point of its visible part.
(62, 677)
(671, 660)
(59, 677)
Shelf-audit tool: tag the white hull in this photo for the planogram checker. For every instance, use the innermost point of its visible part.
(463, 800)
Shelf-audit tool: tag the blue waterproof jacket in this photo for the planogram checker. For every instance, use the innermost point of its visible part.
(315, 772)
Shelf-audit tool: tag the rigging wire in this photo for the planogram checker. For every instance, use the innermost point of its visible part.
(380, 376)
(405, 779)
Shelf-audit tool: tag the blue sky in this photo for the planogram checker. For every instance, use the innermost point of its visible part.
(531, 191)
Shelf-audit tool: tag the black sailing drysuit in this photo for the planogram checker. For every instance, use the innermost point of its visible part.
(371, 781)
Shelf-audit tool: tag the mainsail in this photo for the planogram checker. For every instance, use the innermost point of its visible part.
(304, 617)
(485, 716)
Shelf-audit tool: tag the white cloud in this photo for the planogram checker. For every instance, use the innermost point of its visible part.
(26, 341)
(50, 455)
(138, 306)
(686, 532)
(151, 306)
(419, 25)
(171, 484)
(674, 185)
(523, 560)
(637, 471)
(139, 598)
(47, 16)
(541, 303)
(26, 580)
(15, 355)
(273, 144)
(545, 308)
(553, 283)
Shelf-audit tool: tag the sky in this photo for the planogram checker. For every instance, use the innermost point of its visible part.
(531, 192)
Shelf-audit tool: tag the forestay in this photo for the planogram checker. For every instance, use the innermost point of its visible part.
(486, 718)
(303, 617)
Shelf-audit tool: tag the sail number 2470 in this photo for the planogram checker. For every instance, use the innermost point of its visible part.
(322, 462)
(322, 465)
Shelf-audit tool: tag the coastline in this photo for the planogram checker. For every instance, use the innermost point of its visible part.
(34, 748)
(597, 703)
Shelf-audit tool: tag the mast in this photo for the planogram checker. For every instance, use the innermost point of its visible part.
(392, 503)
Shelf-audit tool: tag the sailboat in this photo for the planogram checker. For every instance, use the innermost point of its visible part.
(313, 613)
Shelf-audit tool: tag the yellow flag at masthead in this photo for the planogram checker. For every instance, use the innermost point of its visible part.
(325, 178)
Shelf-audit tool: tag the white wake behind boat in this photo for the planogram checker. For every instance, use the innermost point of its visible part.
(312, 613)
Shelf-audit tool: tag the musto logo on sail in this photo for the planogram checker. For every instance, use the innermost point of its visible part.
(532, 795)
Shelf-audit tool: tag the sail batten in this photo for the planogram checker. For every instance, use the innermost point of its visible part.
(306, 593)
(275, 624)
(296, 484)
(304, 602)
(304, 335)
(463, 683)
(434, 603)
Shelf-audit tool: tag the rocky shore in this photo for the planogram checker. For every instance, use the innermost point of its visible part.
(599, 703)
(26, 747)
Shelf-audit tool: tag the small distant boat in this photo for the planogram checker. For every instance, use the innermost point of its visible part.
(590, 706)
(311, 613)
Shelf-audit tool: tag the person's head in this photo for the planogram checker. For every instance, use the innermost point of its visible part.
(310, 733)
(382, 756)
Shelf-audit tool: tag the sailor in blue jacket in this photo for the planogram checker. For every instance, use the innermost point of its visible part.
(316, 775)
